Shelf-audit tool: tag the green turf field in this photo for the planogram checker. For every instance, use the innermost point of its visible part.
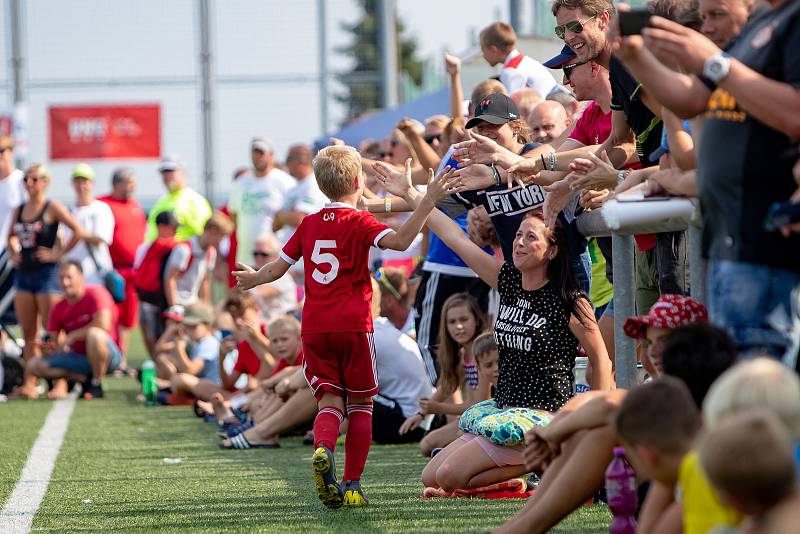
(111, 476)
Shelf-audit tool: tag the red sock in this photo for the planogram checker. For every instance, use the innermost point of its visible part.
(326, 427)
(358, 440)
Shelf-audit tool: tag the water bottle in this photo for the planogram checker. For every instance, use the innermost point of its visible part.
(621, 494)
(149, 384)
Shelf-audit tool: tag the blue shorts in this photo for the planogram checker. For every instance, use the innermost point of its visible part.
(78, 363)
(42, 280)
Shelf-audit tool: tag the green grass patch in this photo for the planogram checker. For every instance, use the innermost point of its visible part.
(20, 422)
(111, 476)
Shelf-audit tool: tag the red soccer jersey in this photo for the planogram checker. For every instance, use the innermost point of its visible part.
(593, 127)
(334, 244)
(68, 317)
(130, 225)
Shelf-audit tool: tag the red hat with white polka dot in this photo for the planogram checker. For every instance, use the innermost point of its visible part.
(669, 311)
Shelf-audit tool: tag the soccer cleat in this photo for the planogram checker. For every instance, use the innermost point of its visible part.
(353, 494)
(328, 489)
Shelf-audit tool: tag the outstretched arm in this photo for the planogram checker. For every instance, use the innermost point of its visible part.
(485, 265)
(248, 278)
(438, 188)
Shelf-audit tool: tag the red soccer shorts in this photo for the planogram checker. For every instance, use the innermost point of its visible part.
(342, 363)
(128, 309)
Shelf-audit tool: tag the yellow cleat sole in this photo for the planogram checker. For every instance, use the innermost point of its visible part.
(329, 494)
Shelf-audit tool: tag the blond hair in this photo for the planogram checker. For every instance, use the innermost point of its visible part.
(285, 323)
(221, 222)
(526, 99)
(749, 456)
(40, 170)
(760, 383)
(499, 34)
(439, 121)
(335, 168)
(486, 88)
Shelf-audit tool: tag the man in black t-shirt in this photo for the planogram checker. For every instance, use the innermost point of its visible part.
(750, 101)
(585, 25)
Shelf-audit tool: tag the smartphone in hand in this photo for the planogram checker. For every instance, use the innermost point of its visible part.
(632, 22)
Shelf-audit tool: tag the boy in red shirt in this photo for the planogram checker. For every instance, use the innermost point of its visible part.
(337, 320)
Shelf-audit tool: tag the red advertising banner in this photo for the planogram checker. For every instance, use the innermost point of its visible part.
(6, 125)
(105, 132)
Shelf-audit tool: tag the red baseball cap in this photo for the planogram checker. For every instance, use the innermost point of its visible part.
(669, 311)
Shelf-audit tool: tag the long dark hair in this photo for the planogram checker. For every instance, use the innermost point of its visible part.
(560, 273)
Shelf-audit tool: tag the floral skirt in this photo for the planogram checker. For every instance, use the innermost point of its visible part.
(502, 426)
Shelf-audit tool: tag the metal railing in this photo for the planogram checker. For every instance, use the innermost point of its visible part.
(595, 224)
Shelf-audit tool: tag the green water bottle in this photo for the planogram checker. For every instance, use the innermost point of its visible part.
(149, 385)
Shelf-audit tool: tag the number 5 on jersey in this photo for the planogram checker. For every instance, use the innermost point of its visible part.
(321, 258)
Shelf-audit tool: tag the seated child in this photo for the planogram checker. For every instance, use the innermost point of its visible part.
(202, 362)
(484, 355)
(657, 423)
(764, 487)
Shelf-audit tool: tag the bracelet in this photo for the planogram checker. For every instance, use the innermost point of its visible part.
(622, 174)
(551, 161)
(496, 173)
(544, 164)
(387, 205)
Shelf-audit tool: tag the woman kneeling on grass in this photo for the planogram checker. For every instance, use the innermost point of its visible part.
(542, 321)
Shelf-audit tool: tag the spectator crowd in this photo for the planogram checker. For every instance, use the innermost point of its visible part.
(489, 334)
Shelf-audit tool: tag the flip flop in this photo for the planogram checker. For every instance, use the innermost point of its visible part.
(240, 442)
(229, 431)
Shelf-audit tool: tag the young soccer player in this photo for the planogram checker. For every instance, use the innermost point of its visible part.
(337, 322)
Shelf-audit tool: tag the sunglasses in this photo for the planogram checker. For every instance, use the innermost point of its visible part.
(2, 150)
(431, 138)
(575, 26)
(33, 178)
(571, 67)
(384, 155)
(381, 277)
(261, 254)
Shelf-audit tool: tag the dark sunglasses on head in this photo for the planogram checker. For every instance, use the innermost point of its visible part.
(431, 138)
(575, 26)
(571, 67)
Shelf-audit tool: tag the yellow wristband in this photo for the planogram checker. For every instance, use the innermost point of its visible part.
(387, 205)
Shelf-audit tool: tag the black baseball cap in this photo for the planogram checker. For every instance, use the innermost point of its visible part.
(496, 108)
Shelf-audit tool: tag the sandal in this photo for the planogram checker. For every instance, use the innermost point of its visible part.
(240, 442)
(229, 431)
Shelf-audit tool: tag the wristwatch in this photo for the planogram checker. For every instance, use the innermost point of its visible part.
(717, 67)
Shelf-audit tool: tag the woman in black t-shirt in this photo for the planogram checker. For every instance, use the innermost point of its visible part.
(543, 318)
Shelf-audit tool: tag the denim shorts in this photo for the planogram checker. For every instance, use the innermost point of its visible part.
(42, 280)
(757, 305)
(78, 363)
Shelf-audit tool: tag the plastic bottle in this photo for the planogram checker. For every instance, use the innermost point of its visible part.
(149, 385)
(621, 494)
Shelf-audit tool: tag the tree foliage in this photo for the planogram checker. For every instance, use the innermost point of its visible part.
(363, 81)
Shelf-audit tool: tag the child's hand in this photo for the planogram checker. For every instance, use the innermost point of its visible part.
(410, 424)
(446, 183)
(394, 181)
(246, 277)
(427, 406)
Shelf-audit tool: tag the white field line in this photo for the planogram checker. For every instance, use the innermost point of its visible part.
(22, 505)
